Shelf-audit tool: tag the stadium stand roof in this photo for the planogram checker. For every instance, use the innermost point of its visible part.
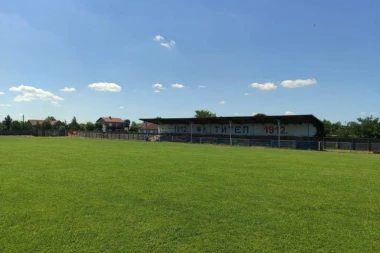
(285, 119)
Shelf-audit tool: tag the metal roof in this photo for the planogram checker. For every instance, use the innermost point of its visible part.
(285, 119)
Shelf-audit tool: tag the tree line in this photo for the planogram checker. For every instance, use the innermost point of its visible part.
(368, 127)
(8, 124)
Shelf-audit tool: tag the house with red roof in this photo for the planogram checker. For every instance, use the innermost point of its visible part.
(148, 128)
(110, 124)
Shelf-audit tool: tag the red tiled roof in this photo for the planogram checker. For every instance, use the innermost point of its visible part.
(111, 120)
(148, 126)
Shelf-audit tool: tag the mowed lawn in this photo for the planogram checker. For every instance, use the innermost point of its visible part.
(86, 195)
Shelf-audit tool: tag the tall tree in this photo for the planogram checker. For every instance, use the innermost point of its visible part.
(50, 118)
(74, 124)
(204, 114)
(127, 123)
(90, 126)
(16, 125)
(7, 122)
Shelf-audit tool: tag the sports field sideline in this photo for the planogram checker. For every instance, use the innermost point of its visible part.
(91, 195)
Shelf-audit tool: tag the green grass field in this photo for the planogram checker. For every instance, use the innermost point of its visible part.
(86, 195)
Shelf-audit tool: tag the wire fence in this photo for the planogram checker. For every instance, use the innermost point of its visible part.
(342, 145)
(325, 144)
(351, 144)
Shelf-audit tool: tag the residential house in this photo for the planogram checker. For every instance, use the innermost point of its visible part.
(110, 124)
(55, 124)
(148, 128)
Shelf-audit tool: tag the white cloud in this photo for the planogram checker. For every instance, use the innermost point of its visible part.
(54, 103)
(289, 113)
(363, 113)
(373, 113)
(168, 44)
(156, 91)
(5, 105)
(158, 86)
(66, 89)
(298, 83)
(264, 86)
(246, 94)
(2, 93)
(121, 107)
(222, 102)
(178, 86)
(30, 93)
(201, 86)
(113, 87)
(254, 113)
(236, 113)
(158, 38)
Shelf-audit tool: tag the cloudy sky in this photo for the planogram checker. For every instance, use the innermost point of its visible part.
(168, 58)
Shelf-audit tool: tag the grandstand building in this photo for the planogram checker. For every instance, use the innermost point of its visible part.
(249, 127)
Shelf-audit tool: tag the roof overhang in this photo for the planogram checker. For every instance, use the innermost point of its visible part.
(284, 119)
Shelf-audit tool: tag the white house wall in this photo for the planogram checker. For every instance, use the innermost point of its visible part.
(240, 129)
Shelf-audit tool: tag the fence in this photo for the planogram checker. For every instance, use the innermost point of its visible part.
(39, 133)
(350, 145)
(118, 136)
(327, 144)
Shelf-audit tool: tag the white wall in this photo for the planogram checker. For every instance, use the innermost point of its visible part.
(243, 129)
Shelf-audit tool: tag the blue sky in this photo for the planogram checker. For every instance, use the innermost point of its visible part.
(231, 57)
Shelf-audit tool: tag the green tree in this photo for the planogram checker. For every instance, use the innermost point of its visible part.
(260, 115)
(7, 122)
(62, 128)
(50, 118)
(204, 114)
(16, 125)
(369, 127)
(90, 126)
(327, 127)
(74, 124)
(134, 127)
(46, 125)
(82, 127)
(98, 126)
(127, 123)
(27, 126)
(38, 126)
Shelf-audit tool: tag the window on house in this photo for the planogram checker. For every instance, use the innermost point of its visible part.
(110, 124)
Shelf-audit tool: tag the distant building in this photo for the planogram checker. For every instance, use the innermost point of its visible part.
(110, 124)
(289, 126)
(148, 128)
(37, 123)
